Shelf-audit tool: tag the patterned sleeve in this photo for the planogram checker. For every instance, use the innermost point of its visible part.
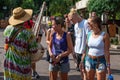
(32, 44)
(8, 30)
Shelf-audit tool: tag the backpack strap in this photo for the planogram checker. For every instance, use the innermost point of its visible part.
(88, 37)
(13, 37)
(6, 46)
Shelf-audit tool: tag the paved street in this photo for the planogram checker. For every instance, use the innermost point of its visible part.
(42, 65)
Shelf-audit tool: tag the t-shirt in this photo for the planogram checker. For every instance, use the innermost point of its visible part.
(81, 31)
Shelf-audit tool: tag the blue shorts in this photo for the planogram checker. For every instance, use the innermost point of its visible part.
(95, 64)
(64, 67)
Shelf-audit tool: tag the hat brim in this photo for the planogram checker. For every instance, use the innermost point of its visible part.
(23, 19)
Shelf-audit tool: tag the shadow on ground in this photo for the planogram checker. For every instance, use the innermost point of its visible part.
(1, 76)
(71, 77)
(74, 77)
(115, 71)
(42, 78)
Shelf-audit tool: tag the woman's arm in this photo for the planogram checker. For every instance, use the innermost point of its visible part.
(107, 46)
(48, 36)
(106, 49)
(50, 47)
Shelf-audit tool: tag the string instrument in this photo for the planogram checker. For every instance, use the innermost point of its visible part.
(36, 28)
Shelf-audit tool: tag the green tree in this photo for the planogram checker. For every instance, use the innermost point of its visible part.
(61, 7)
(55, 7)
(28, 4)
(10, 4)
(100, 6)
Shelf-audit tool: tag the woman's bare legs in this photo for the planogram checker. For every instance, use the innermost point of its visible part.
(53, 75)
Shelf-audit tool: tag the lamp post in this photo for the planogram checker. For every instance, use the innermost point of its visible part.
(104, 18)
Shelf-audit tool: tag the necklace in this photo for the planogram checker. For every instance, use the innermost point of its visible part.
(60, 35)
(96, 33)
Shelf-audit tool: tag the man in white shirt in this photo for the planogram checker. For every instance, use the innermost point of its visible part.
(81, 30)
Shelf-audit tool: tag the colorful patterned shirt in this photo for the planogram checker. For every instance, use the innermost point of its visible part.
(17, 64)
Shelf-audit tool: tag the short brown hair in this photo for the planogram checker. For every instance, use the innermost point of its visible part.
(59, 20)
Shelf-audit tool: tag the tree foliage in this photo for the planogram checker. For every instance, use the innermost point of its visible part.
(58, 6)
(55, 7)
(100, 6)
(61, 6)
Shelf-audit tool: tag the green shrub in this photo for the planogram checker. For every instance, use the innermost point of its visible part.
(114, 41)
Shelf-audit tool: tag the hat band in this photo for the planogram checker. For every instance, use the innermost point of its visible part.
(20, 15)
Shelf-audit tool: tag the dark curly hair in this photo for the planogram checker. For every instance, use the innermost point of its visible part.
(59, 20)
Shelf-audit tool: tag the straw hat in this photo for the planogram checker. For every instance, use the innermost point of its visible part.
(20, 15)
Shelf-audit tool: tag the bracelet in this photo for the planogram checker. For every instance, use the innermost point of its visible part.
(59, 55)
(108, 65)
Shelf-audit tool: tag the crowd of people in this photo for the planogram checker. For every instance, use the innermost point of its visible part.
(73, 34)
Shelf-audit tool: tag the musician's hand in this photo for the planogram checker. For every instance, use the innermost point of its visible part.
(38, 39)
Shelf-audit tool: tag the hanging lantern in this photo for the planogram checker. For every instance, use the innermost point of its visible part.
(104, 18)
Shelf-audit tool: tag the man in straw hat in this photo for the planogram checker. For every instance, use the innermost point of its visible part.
(81, 30)
(20, 43)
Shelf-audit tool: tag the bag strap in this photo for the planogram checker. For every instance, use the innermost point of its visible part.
(88, 37)
(13, 37)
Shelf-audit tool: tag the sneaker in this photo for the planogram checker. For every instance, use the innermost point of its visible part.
(77, 69)
(35, 75)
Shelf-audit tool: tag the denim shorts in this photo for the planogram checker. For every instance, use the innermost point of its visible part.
(95, 64)
(64, 67)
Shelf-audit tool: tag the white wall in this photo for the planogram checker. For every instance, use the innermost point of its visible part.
(81, 4)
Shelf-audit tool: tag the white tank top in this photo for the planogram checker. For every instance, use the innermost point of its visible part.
(96, 45)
